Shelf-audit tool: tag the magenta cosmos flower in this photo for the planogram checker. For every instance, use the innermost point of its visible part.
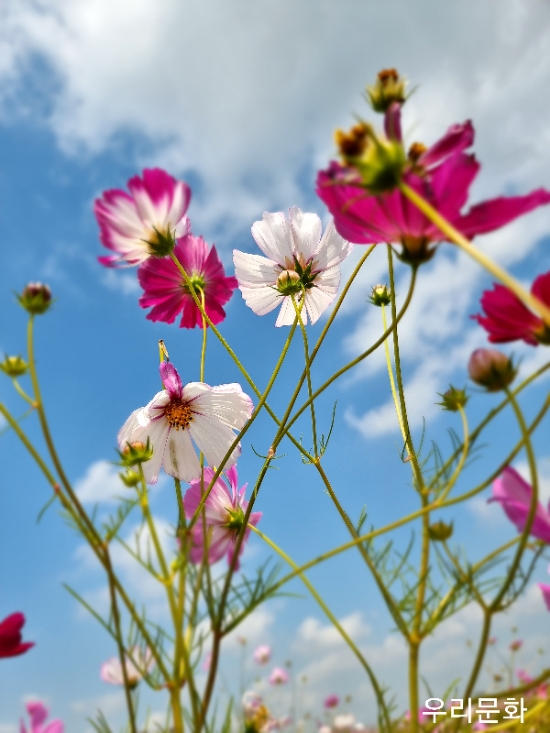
(279, 676)
(298, 262)
(332, 701)
(507, 319)
(166, 291)
(182, 414)
(38, 714)
(146, 221)
(137, 664)
(441, 174)
(262, 654)
(514, 494)
(10, 636)
(224, 511)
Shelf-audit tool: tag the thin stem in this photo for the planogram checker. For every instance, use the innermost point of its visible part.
(462, 461)
(461, 241)
(23, 394)
(204, 334)
(390, 375)
(308, 372)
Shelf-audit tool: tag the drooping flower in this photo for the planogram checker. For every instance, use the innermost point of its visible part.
(514, 494)
(182, 414)
(10, 636)
(279, 676)
(166, 291)
(145, 222)
(224, 516)
(299, 263)
(38, 714)
(442, 174)
(332, 701)
(262, 654)
(507, 319)
(491, 369)
(137, 664)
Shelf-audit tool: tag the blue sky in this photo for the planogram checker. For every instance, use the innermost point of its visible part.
(242, 102)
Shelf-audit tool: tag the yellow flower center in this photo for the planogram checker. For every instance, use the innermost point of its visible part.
(178, 414)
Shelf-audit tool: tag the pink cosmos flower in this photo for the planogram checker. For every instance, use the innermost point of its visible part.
(224, 510)
(516, 645)
(182, 414)
(523, 676)
(507, 319)
(167, 292)
(262, 654)
(441, 174)
(10, 636)
(38, 714)
(144, 222)
(514, 494)
(545, 588)
(137, 665)
(299, 262)
(332, 701)
(279, 676)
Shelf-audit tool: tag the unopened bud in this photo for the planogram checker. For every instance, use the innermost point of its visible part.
(36, 298)
(439, 531)
(491, 369)
(353, 144)
(381, 295)
(135, 453)
(14, 366)
(388, 88)
(288, 282)
(453, 399)
(129, 478)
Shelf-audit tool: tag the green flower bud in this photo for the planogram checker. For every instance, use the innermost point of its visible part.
(129, 478)
(14, 366)
(439, 531)
(35, 298)
(236, 518)
(380, 295)
(388, 88)
(161, 243)
(453, 399)
(491, 369)
(135, 453)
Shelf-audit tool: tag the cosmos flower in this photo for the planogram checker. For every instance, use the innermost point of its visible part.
(224, 513)
(507, 319)
(10, 636)
(545, 588)
(516, 645)
(144, 222)
(514, 494)
(38, 714)
(279, 676)
(442, 174)
(262, 654)
(182, 414)
(332, 701)
(298, 262)
(165, 289)
(137, 664)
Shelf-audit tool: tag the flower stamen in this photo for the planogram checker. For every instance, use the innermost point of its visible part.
(178, 414)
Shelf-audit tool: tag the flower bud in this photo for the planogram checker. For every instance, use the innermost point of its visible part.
(14, 366)
(129, 478)
(288, 282)
(35, 298)
(453, 399)
(388, 88)
(439, 531)
(135, 453)
(235, 519)
(380, 295)
(491, 369)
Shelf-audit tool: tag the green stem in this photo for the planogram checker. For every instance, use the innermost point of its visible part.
(22, 393)
(308, 371)
(461, 241)
(390, 375)
(462, 461)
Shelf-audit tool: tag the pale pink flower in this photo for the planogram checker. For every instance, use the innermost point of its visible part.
(182, 414)
(224, 513)
(332, 701)
(205, 666)
(279, 676)
(299, 262)
(137, 665)
(514, 494)
(146, 221)
(262, 654)
(166, 291)
(38, 714)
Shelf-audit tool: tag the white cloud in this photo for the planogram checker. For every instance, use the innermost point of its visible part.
(100, 483)
(8, 728)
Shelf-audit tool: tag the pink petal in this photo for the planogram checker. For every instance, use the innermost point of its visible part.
(38, 713)
(457, 138)
(514, 494)
(506, 318)
(171, 380)
(545, 594)
(493, 214)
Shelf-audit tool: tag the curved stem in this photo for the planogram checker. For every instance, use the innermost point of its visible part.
(390, 375)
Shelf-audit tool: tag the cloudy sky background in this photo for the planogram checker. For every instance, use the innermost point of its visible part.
(241, 100)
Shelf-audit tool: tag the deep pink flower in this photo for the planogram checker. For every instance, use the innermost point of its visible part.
(332, 701)
(262, 654)
(224, 511)
(441, 174)
(514, 494)
(136, 225)
(523, 676)
(507, 319)
(38, 714)
(279, 676)
(166, 291)
(10, 636)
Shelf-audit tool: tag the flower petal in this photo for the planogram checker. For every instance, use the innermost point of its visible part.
(306, 232)
(180, 458)
(493, 214)
(171, 380)
(273, 237)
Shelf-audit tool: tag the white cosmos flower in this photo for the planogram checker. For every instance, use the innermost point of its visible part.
(136, 662)
(298, 261)
(183, 414)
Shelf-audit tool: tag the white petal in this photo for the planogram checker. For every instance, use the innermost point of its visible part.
(123, 216)
(261, 300)
(137, 419)
(180, 459)
(332, 249)
(254, 270)
(317, 301)
(328, 280)
(214, 439)
(306, 231)
(178, 207)
(158, 404)
(287, 314)
(273, 236)
(157, 431)
(226, 403)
